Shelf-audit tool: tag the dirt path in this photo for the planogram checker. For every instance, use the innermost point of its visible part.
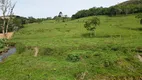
(36, 51)
(8, 35)
(140, 57)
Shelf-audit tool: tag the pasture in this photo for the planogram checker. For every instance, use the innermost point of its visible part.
(66, 52)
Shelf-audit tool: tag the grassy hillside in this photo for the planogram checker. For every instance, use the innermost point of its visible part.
(67, 53)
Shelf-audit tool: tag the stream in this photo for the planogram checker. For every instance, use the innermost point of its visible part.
(8, 53)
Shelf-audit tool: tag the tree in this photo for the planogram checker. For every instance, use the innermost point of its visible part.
(65, 18)
(49, 18)
(139, 16)
(17, 23)
(127, 7)
(31, 19)
(141, 21)
(60, 14)
(112, 11)
(91, 25)
(10, 16)
(61, 17)
(6, 7)
(56, 18)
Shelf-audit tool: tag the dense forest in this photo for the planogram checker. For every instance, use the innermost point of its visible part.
(128, 7)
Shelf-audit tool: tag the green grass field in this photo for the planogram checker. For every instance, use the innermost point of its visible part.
(67, 53)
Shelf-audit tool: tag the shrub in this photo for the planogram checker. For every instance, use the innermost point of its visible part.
(2, 43)
(10, 43)
(45, 51)
(141, 21)
(73, 57)
(108, 63)
(20, 48)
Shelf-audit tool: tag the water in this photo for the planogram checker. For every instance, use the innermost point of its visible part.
(8, 53)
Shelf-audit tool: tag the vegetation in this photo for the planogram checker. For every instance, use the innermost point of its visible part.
(90, 25)
(18, 22)
(141, 21)
(2, 43)
(66, 53)
(10, 22)
(6, 7)
(128, 7)
(139, 16)
(61, 17)
(20, 48)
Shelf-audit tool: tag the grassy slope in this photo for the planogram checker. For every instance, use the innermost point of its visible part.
(110, 53)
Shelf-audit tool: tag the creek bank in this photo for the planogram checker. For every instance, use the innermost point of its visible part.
(7, 53)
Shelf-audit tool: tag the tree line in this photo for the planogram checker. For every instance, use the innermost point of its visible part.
(128, 7)
(18, 22)
(10, 22)
(61, 17)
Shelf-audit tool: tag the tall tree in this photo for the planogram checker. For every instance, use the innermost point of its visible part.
(11, 8)
(6, 6)
(60, 14)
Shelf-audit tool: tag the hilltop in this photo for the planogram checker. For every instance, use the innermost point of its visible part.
(124, 8)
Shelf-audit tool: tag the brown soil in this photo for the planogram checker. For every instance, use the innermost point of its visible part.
(36, 51)
(140, 57)
(8, 35)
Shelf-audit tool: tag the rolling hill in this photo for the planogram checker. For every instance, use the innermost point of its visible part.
(67, 53)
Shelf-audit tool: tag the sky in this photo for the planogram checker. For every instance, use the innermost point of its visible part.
(51, 8)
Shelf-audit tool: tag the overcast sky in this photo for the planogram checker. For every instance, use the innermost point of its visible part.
(50, 8)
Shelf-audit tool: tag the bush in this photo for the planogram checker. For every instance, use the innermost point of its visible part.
(45, 51)
(20, 48)
(141, 21)
(12, 44)
(2, 43)
(73, 57)
(108, 63)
